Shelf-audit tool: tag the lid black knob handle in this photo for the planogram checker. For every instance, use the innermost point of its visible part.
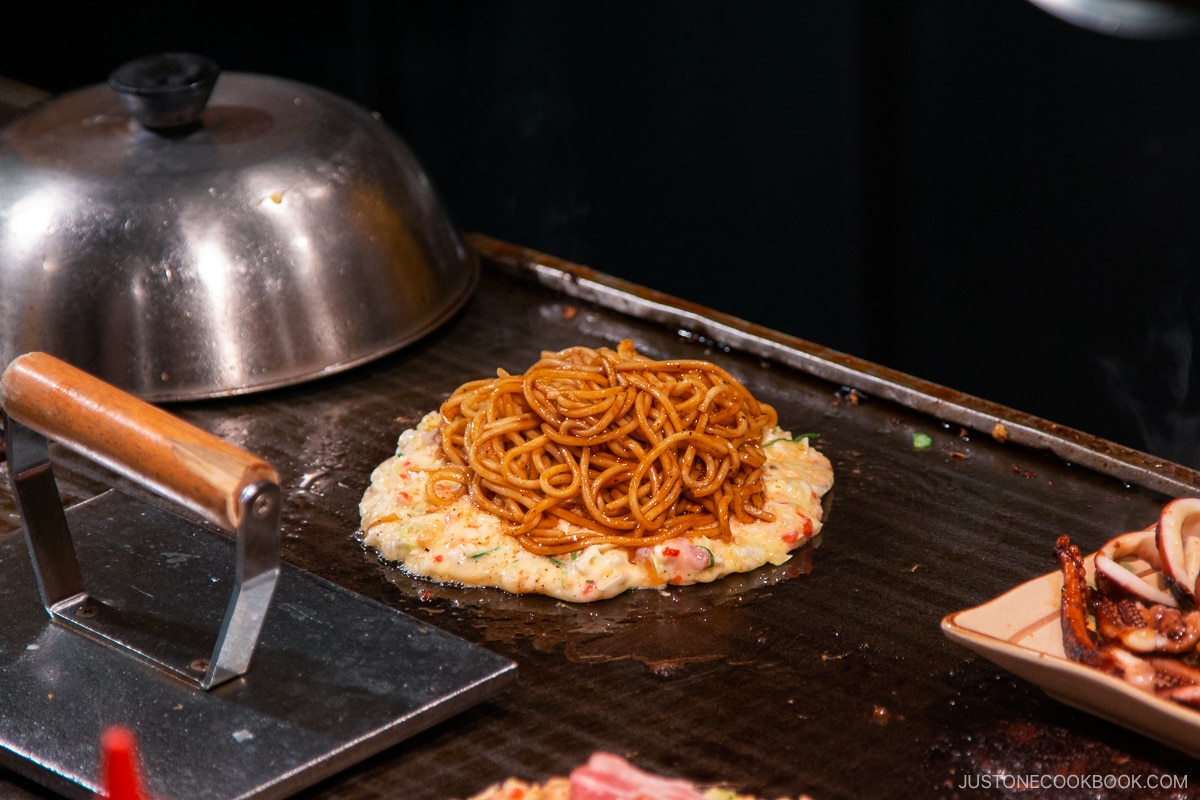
(165, 91)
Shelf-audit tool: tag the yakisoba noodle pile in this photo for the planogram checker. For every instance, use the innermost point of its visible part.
(594, 471)
(630, 450)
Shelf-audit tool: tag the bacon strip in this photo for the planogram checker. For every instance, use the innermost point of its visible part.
(610, 777)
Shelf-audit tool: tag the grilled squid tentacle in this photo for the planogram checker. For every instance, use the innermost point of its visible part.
(1188, 695)
(1145, 629)
(1175, 680)
(1079, 641)
(1134, 639)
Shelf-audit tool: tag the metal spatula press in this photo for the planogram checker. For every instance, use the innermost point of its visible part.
(150, 621)
(235, 490)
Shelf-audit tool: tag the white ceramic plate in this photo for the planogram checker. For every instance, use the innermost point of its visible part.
(1020, 630)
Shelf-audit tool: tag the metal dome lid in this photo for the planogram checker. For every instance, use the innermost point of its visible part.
(185, 245)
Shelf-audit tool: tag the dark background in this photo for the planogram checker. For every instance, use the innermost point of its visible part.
(979, 194)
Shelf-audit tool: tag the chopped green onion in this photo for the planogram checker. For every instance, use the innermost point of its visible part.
(921, 441)
(484, 552)
(794, 439)
(712, 559)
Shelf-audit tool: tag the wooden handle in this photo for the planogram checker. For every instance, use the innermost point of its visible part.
(132, 437)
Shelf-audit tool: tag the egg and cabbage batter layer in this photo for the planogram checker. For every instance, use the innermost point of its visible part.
(458, 542)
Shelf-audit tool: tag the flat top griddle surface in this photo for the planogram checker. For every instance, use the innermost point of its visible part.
(827, 675)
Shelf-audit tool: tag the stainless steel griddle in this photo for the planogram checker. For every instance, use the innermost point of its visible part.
(828, 675)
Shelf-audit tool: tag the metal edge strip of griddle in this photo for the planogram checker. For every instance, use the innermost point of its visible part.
(1126, 464)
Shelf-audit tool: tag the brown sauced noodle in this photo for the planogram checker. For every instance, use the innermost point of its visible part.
(630, 450)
